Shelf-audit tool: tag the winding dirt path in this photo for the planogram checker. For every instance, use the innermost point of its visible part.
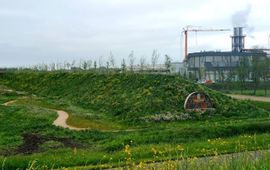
(61, 121)
(9, 103)
(246, 97)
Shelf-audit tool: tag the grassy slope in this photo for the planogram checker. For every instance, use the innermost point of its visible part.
(259, 92)
(125, 96)
(263, 105)
(65, 91)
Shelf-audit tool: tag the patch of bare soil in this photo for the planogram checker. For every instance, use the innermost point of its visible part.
(32, 142)
(61, 121)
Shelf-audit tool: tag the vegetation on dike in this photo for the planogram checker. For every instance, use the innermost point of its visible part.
(124, 96)
(119, 110)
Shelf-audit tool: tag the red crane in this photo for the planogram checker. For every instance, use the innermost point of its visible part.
(190, 28)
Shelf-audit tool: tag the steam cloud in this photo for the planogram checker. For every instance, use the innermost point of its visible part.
(240, 18)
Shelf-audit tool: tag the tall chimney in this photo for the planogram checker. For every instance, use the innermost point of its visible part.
(238, 39)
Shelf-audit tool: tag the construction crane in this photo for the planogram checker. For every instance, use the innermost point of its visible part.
(190, 28)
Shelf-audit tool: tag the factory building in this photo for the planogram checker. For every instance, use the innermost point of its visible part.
(218, 65)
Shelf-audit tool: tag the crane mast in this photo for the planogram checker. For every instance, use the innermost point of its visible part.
(190, 28)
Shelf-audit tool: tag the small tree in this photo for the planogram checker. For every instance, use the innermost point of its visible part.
(142, 63)
(68, 65)
(100, 62)
(201, 73)
(221, 75)
(231, 76)
(95, 65)
(168, 63)
(89, 64)
(255, 72)
(265, 73)
(185, 75)
(131, 61)
(73, 63)
(107, 66)
(84, 65)
(59, 66)
(154, 59)
(229, 79)
(243, 72)
(192, 76)
(123, 66)
(52, 66)
(111, 60)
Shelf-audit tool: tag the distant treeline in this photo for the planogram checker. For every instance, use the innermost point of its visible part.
(131, 64)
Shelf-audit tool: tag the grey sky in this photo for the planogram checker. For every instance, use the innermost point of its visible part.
(35, 31)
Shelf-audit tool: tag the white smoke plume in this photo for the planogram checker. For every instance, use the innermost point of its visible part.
(240, 18)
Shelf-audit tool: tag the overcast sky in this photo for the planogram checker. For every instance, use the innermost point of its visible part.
(37, 31)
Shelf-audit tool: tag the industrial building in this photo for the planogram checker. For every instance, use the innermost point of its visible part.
(178, 68)
(217, 65)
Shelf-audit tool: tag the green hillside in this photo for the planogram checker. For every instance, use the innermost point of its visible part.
(131, 118)
(125, 96)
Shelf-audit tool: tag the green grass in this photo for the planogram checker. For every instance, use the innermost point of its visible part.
(240, 126)
(259, 92)
(126, 97)
(87, 159)
(260, 104)
(88, 122)
(245, 160)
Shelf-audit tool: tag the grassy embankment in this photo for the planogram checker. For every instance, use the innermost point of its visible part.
(150, 106)
(262, 105)
(259, 92)
(263, 89)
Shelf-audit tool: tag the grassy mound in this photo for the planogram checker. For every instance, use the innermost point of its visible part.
(126, 96)
(102, 102)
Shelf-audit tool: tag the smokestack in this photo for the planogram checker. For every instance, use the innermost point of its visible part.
(238, 39)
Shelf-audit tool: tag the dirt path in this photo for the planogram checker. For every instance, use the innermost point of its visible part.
(62, 118)
(61, 121)
(254, 98)
(9, 103)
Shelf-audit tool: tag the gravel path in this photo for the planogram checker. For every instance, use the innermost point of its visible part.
(246, 97)
(61, 121)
